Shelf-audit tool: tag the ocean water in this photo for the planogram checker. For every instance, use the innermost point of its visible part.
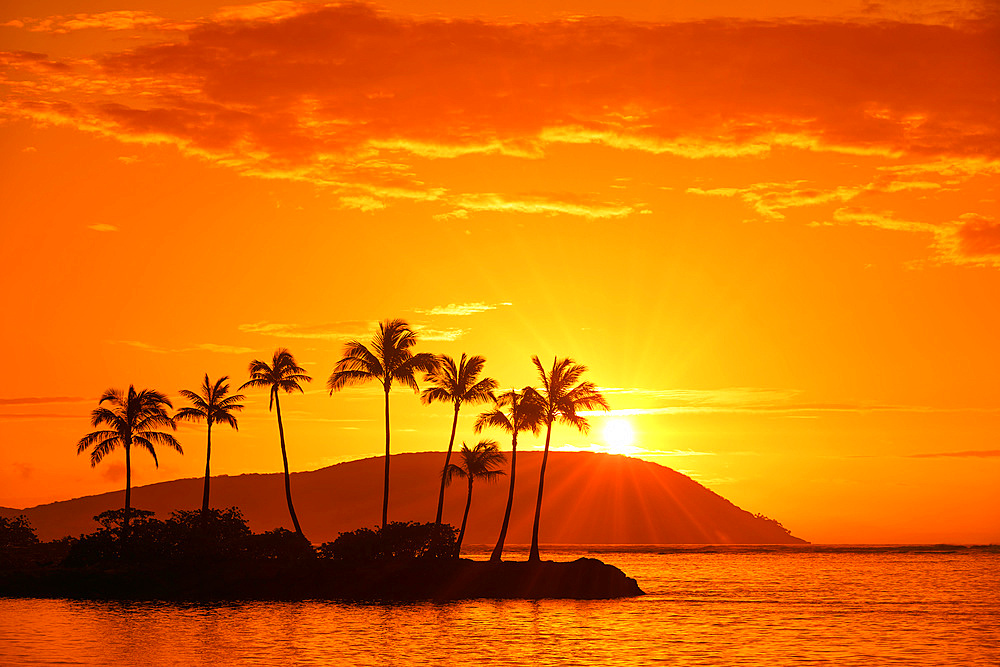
(704, 606)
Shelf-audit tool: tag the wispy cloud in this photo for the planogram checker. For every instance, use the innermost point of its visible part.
(431, 334)
(103, 227)
(976, 453)
(36, 400)
(207, 347)
(462, 308)
(327, 331)
(745, 400)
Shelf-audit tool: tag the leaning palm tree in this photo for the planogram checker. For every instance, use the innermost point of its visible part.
(212, 405)
(524, 413)
(388, 358)
(456, 384)
(283, 374)
(561, 401)
(480, 462)
(134, 419)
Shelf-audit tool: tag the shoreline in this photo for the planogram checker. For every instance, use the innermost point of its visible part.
(389, 581)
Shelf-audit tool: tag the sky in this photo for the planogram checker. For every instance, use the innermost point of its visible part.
(769, 230)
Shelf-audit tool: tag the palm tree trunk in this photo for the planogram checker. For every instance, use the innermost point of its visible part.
(465, 519)
(208, 476)
(447, 460)
(284, 459)
(498, 549)
(533, 554)
(385, 487)
(128, 494)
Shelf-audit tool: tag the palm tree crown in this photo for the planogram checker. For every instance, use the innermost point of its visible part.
(480, 462)
(562, 396)
(285, 375)
(456, 384)
(524, 413)
(134, 419)
(387, 359)
(212, 405)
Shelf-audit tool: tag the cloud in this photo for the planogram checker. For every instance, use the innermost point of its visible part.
(36, 400)
(427, 333)
(330, 331)
(117, 20)
(976, 453)
(462, 308)
(548, 205)
(979, 236)
(351, 98)
(742, 400)
(37, 415)
(207, 347)
(103, 227)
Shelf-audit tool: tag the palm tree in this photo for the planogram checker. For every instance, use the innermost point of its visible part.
(387, 359)
(211, 404)
(134, 420)
(456, 385)
(283, 374)
(480, 462)
(561, 401)
(524, 413)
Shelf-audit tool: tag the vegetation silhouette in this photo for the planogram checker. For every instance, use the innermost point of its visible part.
(399, 540)
(284, 374)
(456, 384)
(480, 462)
(561, 401)
(179, 559)
(212, 405)
(388, 359)
(524, 413)
(134, 419)
(16, 532)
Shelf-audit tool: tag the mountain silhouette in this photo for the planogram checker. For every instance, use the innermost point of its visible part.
(590, 498)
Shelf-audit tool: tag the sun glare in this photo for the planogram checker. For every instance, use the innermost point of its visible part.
(619, 436)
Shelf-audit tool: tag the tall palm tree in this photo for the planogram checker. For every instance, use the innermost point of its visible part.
(561, 401)
(134, 419)
(524, 413)
(212, 405)
(283, 374)
(480, 462)
(387, 359)
(456, 384)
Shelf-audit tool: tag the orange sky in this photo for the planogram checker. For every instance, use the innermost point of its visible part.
(773, 237)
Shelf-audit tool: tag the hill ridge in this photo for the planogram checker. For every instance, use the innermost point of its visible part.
(590, 498)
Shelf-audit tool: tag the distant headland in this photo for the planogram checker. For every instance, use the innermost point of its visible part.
(591, 498)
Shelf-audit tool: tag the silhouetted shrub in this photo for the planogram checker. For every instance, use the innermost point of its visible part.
(216, 534)
(399, 540)
(16, 532)
(280, 544)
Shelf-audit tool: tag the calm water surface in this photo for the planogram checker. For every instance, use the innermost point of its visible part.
(728, 606)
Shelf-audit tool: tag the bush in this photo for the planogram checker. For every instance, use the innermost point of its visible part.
(400, 540)
(279, 544)
(16, 532)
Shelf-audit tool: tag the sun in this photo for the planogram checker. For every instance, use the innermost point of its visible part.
(619, 436)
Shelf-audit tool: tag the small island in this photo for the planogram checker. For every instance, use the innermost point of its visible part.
(187, 559)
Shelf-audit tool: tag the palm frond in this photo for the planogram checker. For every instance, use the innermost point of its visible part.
(142, 443)
(493, 419)
(190, 414)
(97, 437)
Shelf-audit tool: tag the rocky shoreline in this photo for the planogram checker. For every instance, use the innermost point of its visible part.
(404, 580)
